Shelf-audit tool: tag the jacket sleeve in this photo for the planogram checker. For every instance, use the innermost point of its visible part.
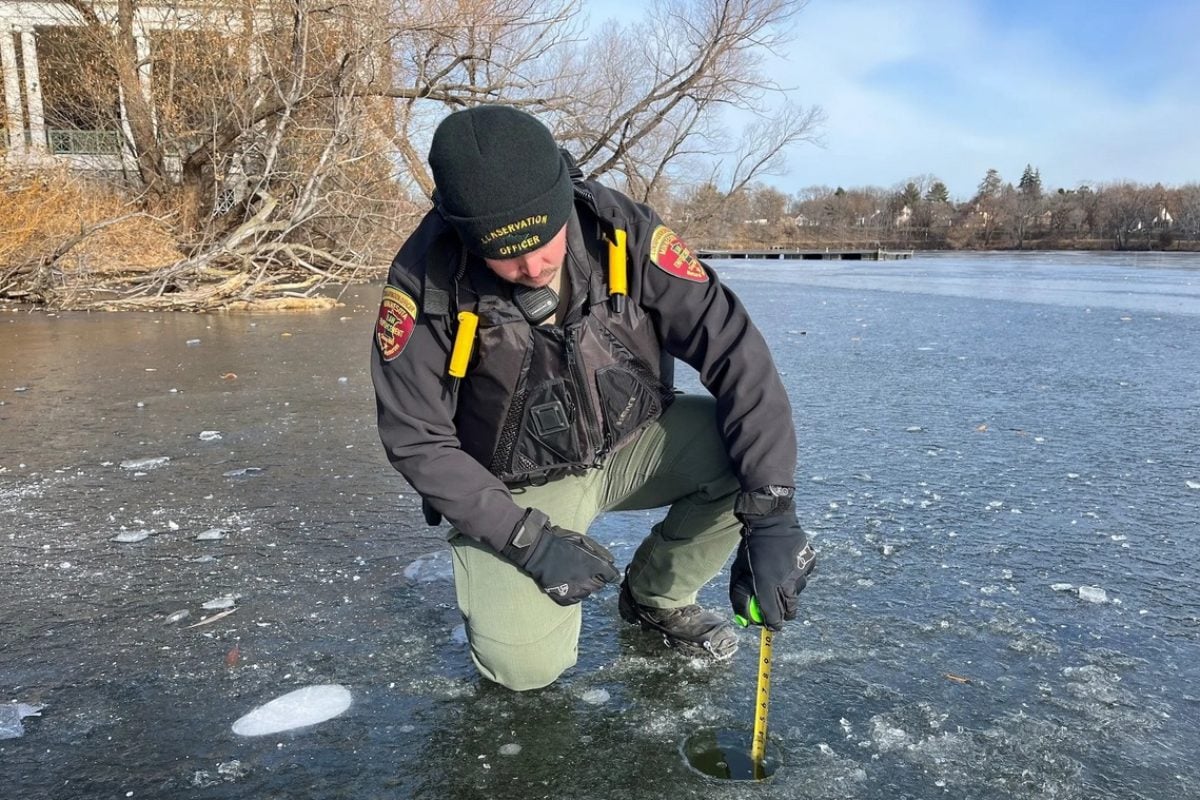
(415, 408)
(703, 323)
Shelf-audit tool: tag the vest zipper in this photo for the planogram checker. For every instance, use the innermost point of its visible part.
(595, 440)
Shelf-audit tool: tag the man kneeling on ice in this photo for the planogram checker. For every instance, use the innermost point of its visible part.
(523, 389)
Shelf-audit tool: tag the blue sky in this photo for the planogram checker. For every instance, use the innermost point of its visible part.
(1087, 92)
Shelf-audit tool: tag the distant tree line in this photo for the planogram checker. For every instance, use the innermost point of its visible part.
(920, 214)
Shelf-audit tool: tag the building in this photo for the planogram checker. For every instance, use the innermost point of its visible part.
(43, 46)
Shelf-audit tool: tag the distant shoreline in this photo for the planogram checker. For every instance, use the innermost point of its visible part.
(1073, 245)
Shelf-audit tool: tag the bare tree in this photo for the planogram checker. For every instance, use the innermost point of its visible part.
(1126, 210)
(284, 140)
(1187, 210)
(248, 123)
(659, 96)
(450, 54)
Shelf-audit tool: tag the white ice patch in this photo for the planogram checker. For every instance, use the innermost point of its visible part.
(129, 537)
(1093, 594)
(225, 601)
(11, 715)
(595, 697)
(1062, 587)
(209, 436)
(430, 567)
(244, 472)
(510, 749)
(1193, 484)
(211, 535)
(888, 737)
(144, 463)
(298, 709)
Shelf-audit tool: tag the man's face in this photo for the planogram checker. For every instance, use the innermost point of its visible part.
(536, 268)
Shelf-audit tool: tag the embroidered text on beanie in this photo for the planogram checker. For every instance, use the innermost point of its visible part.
(501, 181)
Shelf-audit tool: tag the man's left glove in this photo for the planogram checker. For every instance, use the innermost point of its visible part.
(568, 566)
(774, 558)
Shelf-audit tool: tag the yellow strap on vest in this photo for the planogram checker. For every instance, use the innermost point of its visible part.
(618, 279)
(464, 340)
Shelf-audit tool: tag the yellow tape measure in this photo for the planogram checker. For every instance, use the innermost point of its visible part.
(758, 747)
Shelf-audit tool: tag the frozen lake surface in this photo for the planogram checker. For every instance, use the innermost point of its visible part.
(999, 466)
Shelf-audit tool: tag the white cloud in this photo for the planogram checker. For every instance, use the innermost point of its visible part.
(1021, 92)
(1018, 98)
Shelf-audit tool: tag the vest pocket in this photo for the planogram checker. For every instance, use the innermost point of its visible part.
(549, 435)
(627, 402)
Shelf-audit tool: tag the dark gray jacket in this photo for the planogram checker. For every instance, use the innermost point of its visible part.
(538, 403)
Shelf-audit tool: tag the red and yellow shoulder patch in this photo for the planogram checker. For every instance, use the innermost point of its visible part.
(672, 256)
(397, 317)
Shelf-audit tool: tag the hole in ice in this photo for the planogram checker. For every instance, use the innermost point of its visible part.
(725, 755)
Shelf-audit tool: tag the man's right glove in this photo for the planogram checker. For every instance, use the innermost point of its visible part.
(567, 565)
(773, 560)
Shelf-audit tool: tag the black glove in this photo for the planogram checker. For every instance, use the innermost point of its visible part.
(567, 565)
(773, 560)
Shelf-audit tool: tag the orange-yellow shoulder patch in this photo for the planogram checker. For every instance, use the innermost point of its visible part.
(397, 317)
(673, 257)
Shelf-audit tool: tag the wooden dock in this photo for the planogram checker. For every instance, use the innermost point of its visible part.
(827, 254)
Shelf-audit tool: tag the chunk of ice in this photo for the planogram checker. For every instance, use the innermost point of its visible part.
(243, 472)
(1193, 484)
(211, 535)
(430, 567)
(888, 737)
(1093, 594)
(209, 436)
(145, 463)
(510, 749)
(11, 715)
(128, 537)
(595, 697)
(298, 709)
(225, 601)
(1062, 587)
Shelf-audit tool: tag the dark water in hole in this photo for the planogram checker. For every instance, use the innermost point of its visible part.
(725, 755)
(981, 436)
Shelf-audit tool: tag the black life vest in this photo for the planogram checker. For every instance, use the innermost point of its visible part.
(542, 401)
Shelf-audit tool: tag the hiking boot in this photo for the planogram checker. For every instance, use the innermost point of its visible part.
(691, 630)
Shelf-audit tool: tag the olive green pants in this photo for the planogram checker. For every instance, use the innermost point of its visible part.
(522, 639)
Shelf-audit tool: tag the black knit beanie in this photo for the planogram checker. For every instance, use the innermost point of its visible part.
(501, 181)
